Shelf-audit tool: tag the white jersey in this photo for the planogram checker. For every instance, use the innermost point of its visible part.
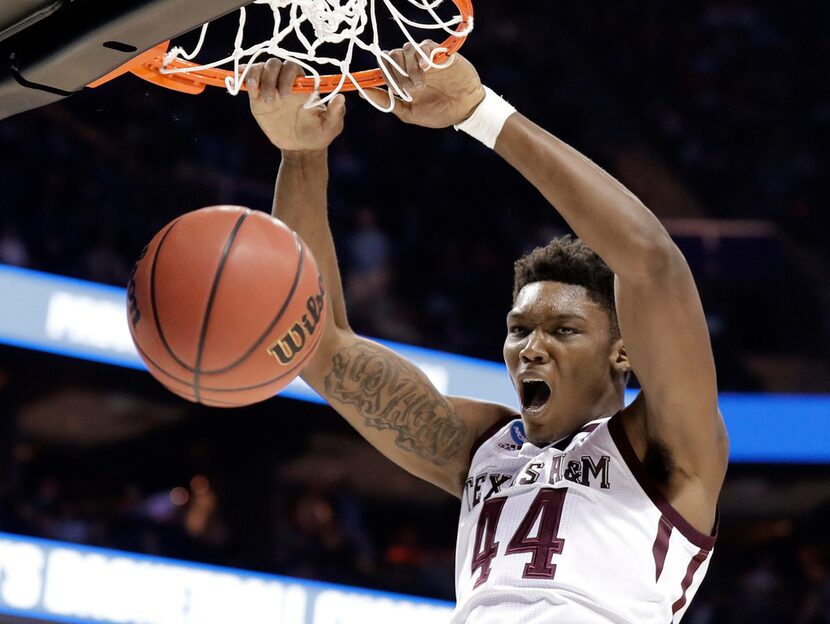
(574, 532)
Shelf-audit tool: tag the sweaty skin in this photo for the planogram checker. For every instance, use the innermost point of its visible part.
(555, 331)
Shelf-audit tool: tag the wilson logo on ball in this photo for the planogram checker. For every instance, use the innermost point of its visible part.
(292, 342)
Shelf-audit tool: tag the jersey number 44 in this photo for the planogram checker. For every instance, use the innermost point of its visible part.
(546, 509)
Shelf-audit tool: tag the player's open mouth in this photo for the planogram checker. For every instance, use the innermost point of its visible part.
(535, 395)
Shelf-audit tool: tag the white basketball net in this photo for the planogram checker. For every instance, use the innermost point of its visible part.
(332, 21)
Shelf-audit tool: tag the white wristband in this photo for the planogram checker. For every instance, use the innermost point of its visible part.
(488, 118)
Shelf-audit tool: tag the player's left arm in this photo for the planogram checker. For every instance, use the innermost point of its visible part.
(663, 327)
(660, 315)
(659, 309)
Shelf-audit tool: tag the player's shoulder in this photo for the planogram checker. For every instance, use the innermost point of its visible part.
(482, 418)
(481, 414)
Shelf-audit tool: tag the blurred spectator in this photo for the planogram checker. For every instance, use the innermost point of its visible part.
(12, 248)
(366, 285)
(815, 606)
(314, 539)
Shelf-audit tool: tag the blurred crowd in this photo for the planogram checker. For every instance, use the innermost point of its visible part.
(239, 488)
(722, 105)
(737, 95)
(780, 574)
(326, 533)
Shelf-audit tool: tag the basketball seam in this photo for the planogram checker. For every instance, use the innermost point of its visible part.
(154, 306)
(152, 362)
(200, 348)
(277, 318)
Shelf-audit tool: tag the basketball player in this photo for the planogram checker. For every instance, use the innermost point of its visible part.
(578, 510)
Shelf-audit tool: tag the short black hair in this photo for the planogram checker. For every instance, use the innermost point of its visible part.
(568, 260)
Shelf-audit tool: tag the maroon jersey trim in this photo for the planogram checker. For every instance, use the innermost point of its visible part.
(564, 443)
(489, 433)
(694, 564)
(706, 542)
(661, 546)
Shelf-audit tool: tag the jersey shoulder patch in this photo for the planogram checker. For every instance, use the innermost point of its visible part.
(507, 427)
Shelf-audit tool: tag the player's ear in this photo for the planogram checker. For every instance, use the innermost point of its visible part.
(619, 358)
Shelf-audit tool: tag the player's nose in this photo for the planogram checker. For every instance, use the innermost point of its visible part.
(534, 350)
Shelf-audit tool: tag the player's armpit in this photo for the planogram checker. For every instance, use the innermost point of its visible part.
(667, 343)
(393, 404)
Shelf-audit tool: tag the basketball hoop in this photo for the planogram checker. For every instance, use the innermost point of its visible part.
(350, 23)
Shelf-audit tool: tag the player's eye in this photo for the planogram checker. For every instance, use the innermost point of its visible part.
(517, 330)
(566, 331)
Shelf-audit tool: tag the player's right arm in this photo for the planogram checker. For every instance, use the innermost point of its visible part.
(385, 397)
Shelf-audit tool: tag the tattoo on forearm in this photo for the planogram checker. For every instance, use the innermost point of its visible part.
(390, 395)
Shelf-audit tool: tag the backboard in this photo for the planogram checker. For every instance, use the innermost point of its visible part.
(50, 49)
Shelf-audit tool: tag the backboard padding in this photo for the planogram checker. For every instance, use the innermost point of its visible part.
(64, 51)
(16, 15)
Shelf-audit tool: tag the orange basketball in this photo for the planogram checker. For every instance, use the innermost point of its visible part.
(226, 306)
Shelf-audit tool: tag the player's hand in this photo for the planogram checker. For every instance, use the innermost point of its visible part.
(281, 113)
(440, 97)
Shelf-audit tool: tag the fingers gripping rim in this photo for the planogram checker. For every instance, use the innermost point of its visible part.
(149, 65)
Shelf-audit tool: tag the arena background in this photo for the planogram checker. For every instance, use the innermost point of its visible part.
(715, 113)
